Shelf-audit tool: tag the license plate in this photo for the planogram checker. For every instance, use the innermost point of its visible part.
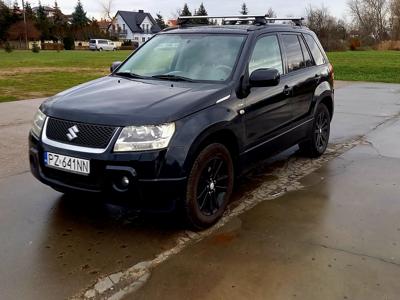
(67, 163)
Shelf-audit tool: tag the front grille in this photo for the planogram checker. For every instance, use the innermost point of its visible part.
(88, 135)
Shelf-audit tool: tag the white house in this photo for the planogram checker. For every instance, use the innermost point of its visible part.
(135, 26)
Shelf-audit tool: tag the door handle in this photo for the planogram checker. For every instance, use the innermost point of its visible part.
(287, 91)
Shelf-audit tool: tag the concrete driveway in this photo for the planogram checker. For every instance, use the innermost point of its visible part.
(298, 228)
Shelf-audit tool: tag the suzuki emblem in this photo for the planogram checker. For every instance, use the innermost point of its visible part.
(72, 133)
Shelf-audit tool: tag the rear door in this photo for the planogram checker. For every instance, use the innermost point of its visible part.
(267, 108)
(302, 78)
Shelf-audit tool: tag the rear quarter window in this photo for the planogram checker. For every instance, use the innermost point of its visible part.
(294, 54)
(315, 50)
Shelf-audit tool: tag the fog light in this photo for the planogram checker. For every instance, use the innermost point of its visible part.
(125, 182)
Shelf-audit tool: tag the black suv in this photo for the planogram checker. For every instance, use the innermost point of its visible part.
(184, 115)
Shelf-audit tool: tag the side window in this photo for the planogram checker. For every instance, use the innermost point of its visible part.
(266, 54)
(308, 62)
(315, 50)
(293, 51)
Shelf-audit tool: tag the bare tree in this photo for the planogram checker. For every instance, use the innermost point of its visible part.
(395, 19)
(107, 7)
(371, 18)
(331, 32)
(271, 13)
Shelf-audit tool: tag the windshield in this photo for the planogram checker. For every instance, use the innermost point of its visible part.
(201, 57)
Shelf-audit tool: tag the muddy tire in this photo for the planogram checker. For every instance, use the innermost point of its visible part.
(209, 187)
(318, 137)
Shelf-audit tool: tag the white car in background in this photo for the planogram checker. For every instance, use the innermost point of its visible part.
(102, 45)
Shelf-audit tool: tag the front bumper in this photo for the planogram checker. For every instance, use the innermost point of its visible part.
(145, 190)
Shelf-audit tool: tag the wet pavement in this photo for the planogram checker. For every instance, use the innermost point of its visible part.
(336, 238)
(332, 234)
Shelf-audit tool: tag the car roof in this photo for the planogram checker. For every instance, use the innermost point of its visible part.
(236, 29)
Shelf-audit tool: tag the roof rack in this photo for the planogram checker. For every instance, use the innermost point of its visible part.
(241, 19)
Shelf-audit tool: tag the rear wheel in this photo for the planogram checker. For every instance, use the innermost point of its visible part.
(318, 137)
(209, 186)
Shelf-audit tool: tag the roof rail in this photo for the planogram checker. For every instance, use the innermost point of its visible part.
(256, 19)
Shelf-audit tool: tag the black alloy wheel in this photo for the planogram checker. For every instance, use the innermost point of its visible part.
(210, 186)
(318, 137)
(321, 130)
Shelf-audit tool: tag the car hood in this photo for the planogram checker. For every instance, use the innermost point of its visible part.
(121, 102)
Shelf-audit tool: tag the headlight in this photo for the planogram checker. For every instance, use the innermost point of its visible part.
(38, 122)
(141, 138)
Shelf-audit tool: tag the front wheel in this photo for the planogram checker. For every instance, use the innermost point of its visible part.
(318, 137)
(209, 186)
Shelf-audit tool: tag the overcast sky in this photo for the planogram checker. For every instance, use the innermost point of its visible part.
(214, 7)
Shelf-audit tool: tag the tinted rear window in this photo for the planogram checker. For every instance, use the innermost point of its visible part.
(307, 58)
(293, 51)
(92, 41)
(315, 50)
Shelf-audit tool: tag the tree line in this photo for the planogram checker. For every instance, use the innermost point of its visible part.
(43, 25)
(372, 22)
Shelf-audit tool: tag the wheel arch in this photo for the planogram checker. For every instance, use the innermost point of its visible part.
(328, 101)
(217, 134)
(324, 94)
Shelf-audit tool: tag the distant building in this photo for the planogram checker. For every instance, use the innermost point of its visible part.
(104, 25)
(172, 23)
(135, 26)
(49, 11)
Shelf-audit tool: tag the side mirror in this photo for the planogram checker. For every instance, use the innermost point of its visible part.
(265, 77)
(115, 66)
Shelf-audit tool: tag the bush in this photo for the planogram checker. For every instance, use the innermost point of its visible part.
(388, 45)
(127, 43)
(69, 43)
(8, 48)
(52, 46)
(355, 44)
(35, 48)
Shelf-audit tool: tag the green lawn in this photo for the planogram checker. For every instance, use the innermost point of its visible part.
(379, 66)
(25, 75)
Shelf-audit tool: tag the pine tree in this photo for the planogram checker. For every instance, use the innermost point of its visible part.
(79, 18)
(160, 21)
(245, 10)
(59, 25)
(5, 20)
(41, 13)
(58, 17)
(185, 11)
(30, 15)
(202, 12)
(16, 12)
(42, 23)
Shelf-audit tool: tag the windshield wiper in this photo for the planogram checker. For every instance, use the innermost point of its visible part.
(129, 75)
(172, 77)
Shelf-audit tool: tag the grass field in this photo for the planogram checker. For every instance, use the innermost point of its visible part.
(379, 66)
(25, 75)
